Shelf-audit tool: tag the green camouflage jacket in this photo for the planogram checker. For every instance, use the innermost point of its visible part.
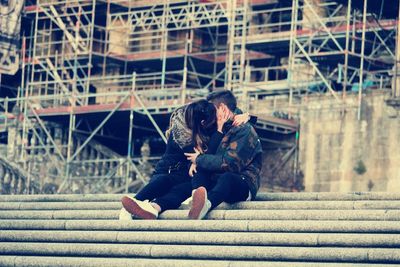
(239, 152)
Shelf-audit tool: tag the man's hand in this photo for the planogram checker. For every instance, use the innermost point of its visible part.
(199, 149)
(241, 119)
(193, 156)
(192, 170)
(223, 115)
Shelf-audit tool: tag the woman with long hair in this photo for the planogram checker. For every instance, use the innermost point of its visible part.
(190, 127)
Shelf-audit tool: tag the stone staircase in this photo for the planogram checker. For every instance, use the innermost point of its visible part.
(279, 229)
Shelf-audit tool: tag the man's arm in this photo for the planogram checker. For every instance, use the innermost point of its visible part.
(236, 157)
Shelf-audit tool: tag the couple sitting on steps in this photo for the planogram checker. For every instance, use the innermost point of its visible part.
(212, 154)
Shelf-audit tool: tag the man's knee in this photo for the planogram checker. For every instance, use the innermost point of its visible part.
(231, 180)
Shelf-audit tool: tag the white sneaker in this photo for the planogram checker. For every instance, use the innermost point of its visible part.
(124, 215)
(187, 203)
(200, 204)
(140, 209)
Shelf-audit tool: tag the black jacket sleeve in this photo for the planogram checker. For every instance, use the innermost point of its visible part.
(215, 140)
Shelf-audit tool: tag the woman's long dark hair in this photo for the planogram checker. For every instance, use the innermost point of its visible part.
(201, 118)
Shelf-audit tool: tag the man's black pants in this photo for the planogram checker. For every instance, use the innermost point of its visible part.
(226, 187)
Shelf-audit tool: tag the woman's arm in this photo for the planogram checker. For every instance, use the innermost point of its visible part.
(240, 119)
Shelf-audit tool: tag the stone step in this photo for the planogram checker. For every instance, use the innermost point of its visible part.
(260, 197)
(253, 205)
(369, 215)
(301, 226)
(280, 229)
(205, 238)
(29, 261)
(209, 252)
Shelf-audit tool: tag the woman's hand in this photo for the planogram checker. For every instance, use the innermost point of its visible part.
(241, 119)
(223, 115)
(193, 156)
(192, 169)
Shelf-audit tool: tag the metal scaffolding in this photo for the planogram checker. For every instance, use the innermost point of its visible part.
(97, 72)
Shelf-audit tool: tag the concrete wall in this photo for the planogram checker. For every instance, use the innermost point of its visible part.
(335, 145)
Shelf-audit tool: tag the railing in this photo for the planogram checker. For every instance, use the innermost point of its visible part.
(14, 180)
(143, 3)
(110, 175)
(155, 89)
(189, 16)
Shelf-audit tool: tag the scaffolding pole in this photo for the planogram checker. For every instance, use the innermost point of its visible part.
(146, 111)
(346, 55)
(396, 76)
(292, 49)
(90, 64)
(130, 134)
(164, 41)
(242, 62)
(231, 9)
(361, 80)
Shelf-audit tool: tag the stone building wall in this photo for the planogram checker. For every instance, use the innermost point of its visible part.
(339, 153)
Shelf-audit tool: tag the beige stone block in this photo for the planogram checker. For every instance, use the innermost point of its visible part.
(118, 34)
(328, 127)
(335, 186)
(321, 187)
(393, 185)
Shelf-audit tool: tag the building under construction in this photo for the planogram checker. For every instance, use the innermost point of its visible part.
(87, 86)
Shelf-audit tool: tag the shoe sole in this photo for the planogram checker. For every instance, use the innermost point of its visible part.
(198, 202)
(133, 208)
